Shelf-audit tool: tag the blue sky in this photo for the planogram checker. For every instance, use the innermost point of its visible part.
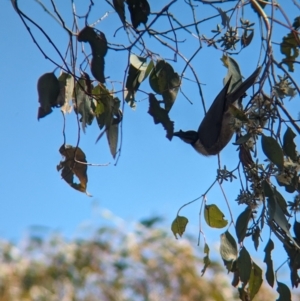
(153, 175)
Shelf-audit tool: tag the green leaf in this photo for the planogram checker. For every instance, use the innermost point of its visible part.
(242, 224)
(112, 134)
(163, 80)
(139, 11)
(228, 247)
(83, 104)
(160, 115)
(272, 150)
(206, 259)
(268, 260)
(214, 217)
(48, 91)
(255, 280)
(289, 146)
(179, 225)
(284, 292)
(71, 166)
(244, 265)
(66, 82)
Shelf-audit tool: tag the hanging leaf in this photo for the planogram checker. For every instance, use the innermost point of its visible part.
(272, 150)
(105, 105)
(48, 91)
(160, 115)
(255, 280)
(71, 166)
(268, 260)
(206, 259)
(296, 229)
(289, 48)
(119, 7)
(99, 48)
(281, 202)
(284, 292)
(214, 217)
(228, 250)
(164, 81)
(255, 237)
(224, 17)
(136, 74)
(244, 265)
(247, 38)
(83, 103)
(66, 82)
(139, 11)
(179, 225)
(112, 133)
(242, 224)
(289, 146)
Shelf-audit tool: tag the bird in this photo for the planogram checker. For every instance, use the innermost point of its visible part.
(216, 130)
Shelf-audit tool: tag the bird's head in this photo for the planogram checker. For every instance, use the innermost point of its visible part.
(189, 137)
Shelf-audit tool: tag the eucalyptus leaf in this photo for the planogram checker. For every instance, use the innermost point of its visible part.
(244, 265)
(179, 225)
(284, 292)
(268, 260)
(214, 217)
(289, 146)
(228, 247)
(74, 164)
(48, 91)
(255, 280)
(242, 224)
(272, 150)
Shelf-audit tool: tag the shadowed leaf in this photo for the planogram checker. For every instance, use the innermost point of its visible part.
(48, 91)
(139, 11)
(179, 225)
(164, 81)
(70, 167)
(268, 260)
(99, 48)
(242, 224)
(244, 265)
(255, 237)
(119, 7)
(284, 292)
(214, 217)
(272, 150)
(289, 146)
(160, 115)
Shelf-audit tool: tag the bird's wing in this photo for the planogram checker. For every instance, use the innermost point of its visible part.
(243, 87)
(210, 127)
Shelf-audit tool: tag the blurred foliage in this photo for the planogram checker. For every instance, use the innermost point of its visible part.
(145, 264)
